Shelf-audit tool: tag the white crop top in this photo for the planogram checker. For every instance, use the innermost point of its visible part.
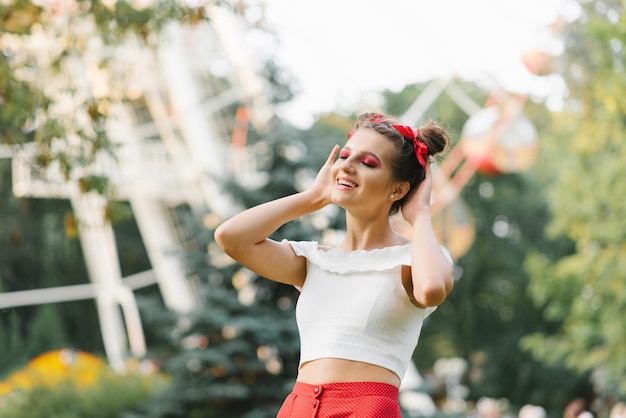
(353, 306)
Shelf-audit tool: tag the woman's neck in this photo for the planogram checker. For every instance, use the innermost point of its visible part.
(369, 234)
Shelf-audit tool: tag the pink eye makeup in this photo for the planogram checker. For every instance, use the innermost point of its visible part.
(370, 161)
(366, 159)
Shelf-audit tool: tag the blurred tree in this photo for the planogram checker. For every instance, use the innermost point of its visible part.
(253, 345)
(489, 310)
(36, 252)
(230, 350)
(109, 396)
(41, 100)
(237, 355)
(11, 341)
(582, 291)
(41, 104)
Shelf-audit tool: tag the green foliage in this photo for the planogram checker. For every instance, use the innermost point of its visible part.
(257, 362)
(11, 344)
(235, 355)
(40, 339)
(222, 358)
(582, 159)
(444, 109)
(109, 397)
(36, 252)
(14, 99)
(43, 103)
(225, 359)
(489, 311)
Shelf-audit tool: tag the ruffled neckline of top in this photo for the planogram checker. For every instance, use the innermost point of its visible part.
(345, 261)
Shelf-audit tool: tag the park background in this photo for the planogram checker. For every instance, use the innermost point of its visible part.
(535, 218)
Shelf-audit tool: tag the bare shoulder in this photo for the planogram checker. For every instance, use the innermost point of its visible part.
(276, 261)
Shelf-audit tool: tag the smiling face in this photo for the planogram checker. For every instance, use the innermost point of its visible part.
(363, 174)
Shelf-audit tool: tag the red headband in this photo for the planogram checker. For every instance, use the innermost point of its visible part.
(421, 150)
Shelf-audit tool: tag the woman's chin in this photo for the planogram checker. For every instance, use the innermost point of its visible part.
(338, 200)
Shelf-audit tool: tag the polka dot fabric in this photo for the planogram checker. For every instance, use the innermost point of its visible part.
(342, 400)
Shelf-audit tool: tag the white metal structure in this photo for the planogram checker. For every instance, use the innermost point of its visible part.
(172, 148)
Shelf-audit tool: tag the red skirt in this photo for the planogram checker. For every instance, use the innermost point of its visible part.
(342, 400)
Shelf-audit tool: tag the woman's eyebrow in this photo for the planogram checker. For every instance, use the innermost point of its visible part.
(372, 155)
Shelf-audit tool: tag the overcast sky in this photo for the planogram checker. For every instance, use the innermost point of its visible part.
(343, 51)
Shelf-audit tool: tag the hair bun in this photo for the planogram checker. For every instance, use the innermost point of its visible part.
(435, 137)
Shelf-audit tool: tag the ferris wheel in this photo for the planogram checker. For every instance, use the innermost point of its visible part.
(173, 136)
(497, 138)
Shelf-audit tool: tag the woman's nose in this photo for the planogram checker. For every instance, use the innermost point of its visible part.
(346, 165)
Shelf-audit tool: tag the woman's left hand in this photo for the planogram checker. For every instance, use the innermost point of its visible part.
(419, 201)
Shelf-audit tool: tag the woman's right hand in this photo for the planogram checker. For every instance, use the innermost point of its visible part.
(323, 185)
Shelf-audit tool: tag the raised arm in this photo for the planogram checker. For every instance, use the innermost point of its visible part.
(244, 237)
(431, 269)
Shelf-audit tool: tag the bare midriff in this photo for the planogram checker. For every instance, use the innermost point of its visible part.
(333, 370)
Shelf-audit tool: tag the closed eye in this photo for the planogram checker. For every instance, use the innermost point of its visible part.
(370, 162)
(367, 160)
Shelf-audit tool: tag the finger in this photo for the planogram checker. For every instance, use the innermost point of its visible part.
(333, 154)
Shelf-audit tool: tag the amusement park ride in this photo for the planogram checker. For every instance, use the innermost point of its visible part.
(496, 139)
(173, 145)
(172, 142)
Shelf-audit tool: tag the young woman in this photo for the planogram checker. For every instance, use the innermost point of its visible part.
(362, 304)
